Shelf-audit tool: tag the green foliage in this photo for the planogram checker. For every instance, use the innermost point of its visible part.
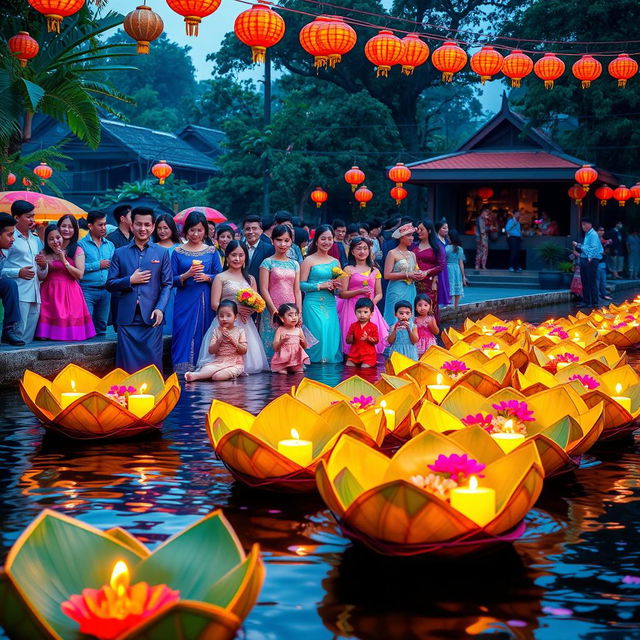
(551, 253)
(174, 193)
(23, 164)
(565, 267)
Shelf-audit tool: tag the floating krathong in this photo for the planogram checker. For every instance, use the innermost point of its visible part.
(600, 360)
(376, 502)
(80, 405)
(206, 583)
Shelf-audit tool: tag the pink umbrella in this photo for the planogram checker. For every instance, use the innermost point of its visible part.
(47, 208)
(212, 215)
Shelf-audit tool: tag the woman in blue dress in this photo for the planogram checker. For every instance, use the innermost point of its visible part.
(166, 234)
(194, 265)
(402, 272)
(319, 284)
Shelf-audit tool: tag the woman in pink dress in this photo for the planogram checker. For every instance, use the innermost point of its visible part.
(63, 312)
(364, 282)
(431, 260)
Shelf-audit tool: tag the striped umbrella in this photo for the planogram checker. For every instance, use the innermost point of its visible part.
(47, 208)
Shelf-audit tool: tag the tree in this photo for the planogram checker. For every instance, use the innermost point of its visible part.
(173, 193)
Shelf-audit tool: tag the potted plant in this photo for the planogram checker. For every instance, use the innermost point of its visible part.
(567, 272)
(551, 254)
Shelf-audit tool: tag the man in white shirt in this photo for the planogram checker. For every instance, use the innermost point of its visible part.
(28, 267)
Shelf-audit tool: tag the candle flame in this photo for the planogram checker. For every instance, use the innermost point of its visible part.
(120, 578)
(294, 434)
(577, 335)
(73, 385)
(383, 404)
(508, 426)
(439, 379)
(143, 387)
(618, 388)
(473, 483)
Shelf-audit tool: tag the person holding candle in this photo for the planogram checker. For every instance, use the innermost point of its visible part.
(194, 266)
(425, 322)
(403, 335)
(363, 336)
(289, 342)
(165, 234)
(141, 273)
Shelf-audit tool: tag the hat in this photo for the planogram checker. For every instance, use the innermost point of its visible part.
(404, 230)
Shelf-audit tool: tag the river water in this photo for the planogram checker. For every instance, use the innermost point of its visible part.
(574, 574)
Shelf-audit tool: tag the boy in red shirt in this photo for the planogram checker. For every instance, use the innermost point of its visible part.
(362, 336)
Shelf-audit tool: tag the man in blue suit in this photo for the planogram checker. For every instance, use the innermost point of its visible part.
(257, 246)
(141, 273)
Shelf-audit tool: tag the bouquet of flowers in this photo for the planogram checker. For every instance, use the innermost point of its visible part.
(337, 272)
(249, 298)
(121, 394)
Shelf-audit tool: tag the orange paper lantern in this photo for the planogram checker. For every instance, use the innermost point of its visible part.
(622, 194)
(308, 37)
(398, 194)
(11, 179)
(549, 68)
(486, 63)
(43, 171)
(577, 193)
(144, 25)
(354, 177)
(414, 53)
(635, 193)
(55, 10)
(516, 66)
(383, 50)
(485, 193)
(259, 27)
(449, 58)
(399, 174)
(586, 69)
(363, 195)
(26, 182)
(623, 68)
(327, 39)
(162, 171)
(193, 12)
(586, 176)
(23, 47)
(319, 196)
(604, 194)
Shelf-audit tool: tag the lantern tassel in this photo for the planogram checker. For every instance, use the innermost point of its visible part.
(515, 82)
(319, 61)
(483, 79)
(585, 187)
(353, 188)
(191, 24)
(622, 202)
(636, 201)
(161, 181)
(334, 59)
(143, 47)
(53, 22)
(383, 70)
(363, 205)
(397, 203)
(548, 84)
(259, 54)
(407, 70)
(447, 76)
(318, 205)
(622, 82)
(586, 84)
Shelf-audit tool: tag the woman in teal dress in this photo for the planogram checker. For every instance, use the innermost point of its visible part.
(165, 234)
(402, 272)
(319, 285)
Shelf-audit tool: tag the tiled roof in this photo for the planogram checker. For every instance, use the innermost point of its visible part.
(154, 145)
(498, 160)
(212, 137)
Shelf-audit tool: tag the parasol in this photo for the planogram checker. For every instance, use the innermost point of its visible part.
(47, 208)
(212, 215)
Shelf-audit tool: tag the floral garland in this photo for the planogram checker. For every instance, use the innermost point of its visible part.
(447, 473)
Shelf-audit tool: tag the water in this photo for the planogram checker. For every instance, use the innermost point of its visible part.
(564, 578)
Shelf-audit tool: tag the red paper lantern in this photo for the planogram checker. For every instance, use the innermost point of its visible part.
(55, 10)
(144, 25)
(43, 171)
(604, 194)
(383, 50)
(623, 68)
(259, 27)
(23, 47)
(622, 194)
(327, 39)
(635, 193)
(485, 193)
(516, 66)
(319, 196)
(162, 171)
(486, 63)
(586, 176)
(308, 37)
(577, 193)
(26, 182)
(193, 12)
(549, 68)
(449, 58)
(11, 179)
(399, 174)
(354, 177)
(398, 194)
(414, 53)
(586, 69)
(363, 195)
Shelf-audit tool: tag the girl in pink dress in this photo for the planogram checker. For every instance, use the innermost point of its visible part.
(364, 282)
(63, 312)
(289, 343)
(426, 323)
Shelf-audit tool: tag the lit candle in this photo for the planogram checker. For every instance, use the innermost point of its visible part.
(508, 440)
(624, 401)
(562, 365)
(141, 403)
(70, 396)
(300, 451)
(477, 503)
(390, 416)
(438, 391)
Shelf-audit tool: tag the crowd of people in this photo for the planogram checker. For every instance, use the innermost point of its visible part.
(331, 294)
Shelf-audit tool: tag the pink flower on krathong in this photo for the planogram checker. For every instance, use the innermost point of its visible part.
(514, 409)
(490, 345)
(567, 357)
(587, 381)
(457, 467)
(122, 390)
(454, 366)
(499, 328)
(629, 318)
(619, 325)
(114, 389)
(479, 419)
(559, 332)
(361, 402)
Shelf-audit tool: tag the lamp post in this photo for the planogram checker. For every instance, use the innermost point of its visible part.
(266, 178)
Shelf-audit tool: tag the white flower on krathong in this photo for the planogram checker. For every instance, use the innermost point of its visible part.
(435, 483)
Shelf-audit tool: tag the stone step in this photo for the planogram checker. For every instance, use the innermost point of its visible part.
(504, 281)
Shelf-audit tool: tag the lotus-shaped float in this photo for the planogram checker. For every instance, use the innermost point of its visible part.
(563, 426)
(58, 557)
(621, 330)
(600, 360)
(376, 502)
(266, 451)
(489, 327)
(95, 414)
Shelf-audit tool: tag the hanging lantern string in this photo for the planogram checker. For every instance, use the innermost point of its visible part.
(443, 38)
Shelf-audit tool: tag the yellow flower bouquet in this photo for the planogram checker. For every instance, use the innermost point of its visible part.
(249, 298)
